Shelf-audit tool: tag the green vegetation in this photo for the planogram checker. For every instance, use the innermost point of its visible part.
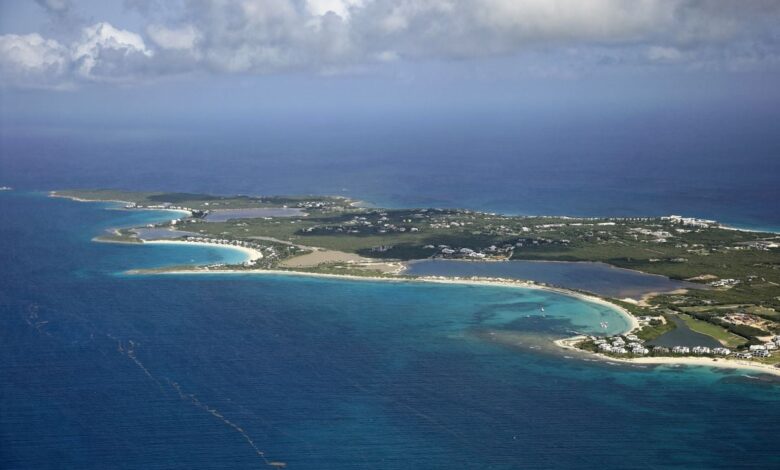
(655, 329)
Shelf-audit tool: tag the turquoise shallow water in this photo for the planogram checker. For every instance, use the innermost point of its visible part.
(104, 370)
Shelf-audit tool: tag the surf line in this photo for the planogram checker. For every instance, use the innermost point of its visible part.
(129, 349)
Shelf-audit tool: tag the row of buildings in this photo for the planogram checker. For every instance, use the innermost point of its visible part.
(630, 343)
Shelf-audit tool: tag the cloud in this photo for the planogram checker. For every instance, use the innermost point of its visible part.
(55, 6)
(664, 54)
(328, 36)
(105, 52)
(339, 7)
(183, 38)
(32, 61)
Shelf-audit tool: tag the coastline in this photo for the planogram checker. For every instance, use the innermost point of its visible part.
(117, 201)
(251, 253)
(641, 300)
(79, 199)
(565, 343)
(750, 230)
(668, 361)
(489, 282)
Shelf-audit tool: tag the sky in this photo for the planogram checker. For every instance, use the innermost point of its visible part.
(66, 60)
(624, 88)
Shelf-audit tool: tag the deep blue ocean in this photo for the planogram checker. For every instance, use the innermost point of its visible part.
(99, 369)
(714, 164)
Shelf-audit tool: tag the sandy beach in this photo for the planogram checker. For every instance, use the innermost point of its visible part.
(78, 199)
(634, 323)
(251, 253)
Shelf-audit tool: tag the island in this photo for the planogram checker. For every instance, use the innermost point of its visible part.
(732, 277)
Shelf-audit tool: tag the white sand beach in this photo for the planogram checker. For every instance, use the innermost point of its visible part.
(494, 282)
(251, 253)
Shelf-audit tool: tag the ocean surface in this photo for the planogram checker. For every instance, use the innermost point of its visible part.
(715, 165)
(99, 369)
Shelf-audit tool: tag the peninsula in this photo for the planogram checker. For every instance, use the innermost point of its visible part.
(733, 276)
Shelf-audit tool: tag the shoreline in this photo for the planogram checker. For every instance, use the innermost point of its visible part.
(488, 282)
(362, 204)
(79, 199)
(669, 361)
(637, 301)
(251, 253)
(565, 343)
(750, 230)
(118, 201)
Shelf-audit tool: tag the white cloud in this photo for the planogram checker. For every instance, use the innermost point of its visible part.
(325, 36)
(32, 61)
(339, 7)
(104, 50)
(182, 38)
